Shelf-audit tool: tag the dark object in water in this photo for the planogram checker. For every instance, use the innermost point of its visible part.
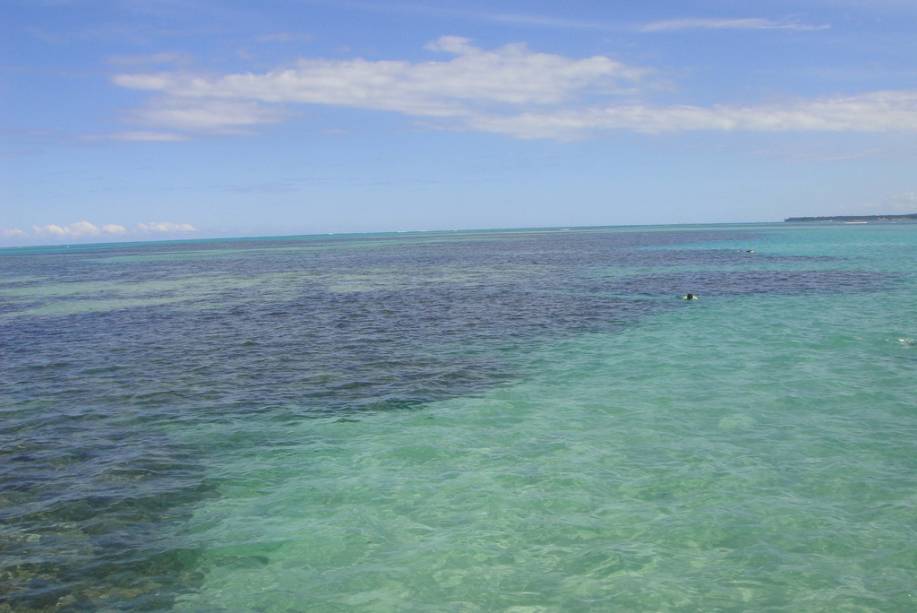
(690, 297)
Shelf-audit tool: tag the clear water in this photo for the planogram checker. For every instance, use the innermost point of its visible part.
(520, 421)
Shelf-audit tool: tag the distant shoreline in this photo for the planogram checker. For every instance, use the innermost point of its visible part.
(849, 218)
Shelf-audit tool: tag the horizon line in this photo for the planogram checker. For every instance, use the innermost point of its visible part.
(377, 232)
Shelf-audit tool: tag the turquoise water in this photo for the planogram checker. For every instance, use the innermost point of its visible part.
(518, 421)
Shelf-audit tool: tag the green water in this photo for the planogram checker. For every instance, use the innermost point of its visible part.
(745, 453)
(749, 453)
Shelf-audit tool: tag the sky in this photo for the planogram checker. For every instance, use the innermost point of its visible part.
(160, 119)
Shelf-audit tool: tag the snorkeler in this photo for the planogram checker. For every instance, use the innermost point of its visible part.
(690, 297)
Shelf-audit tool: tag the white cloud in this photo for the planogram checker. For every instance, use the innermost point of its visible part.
(874, 112)
(511, 75)
(50, 229)
(11, 233)
(84, 229)
(77, 229)
(509, 90)
(165, 227)
(747, 23)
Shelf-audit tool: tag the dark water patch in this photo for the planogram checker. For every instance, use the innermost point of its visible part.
(85, 510)
(786, 282)
(656, 257)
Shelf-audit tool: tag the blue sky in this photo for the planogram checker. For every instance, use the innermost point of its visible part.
(129, 119)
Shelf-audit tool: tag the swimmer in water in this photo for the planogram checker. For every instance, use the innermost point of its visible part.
(690, 297)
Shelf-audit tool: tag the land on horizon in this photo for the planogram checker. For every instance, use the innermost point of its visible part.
(895, 217)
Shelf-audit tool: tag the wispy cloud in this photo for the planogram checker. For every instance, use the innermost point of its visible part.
(543, 21)
(151, 136)
(218, 115)
(510, 90)
(11, 233)
(147, 136)
(516, 19)
(165, 227)
(746, 23)
(893, 111)
(565, 23)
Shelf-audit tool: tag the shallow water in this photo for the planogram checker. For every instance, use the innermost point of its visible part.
(477, 421)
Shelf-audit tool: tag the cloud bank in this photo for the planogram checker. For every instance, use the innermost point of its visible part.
(78, 229)
(86, 229)
(510, 90)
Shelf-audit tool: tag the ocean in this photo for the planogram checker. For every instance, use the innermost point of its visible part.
(519, 420)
